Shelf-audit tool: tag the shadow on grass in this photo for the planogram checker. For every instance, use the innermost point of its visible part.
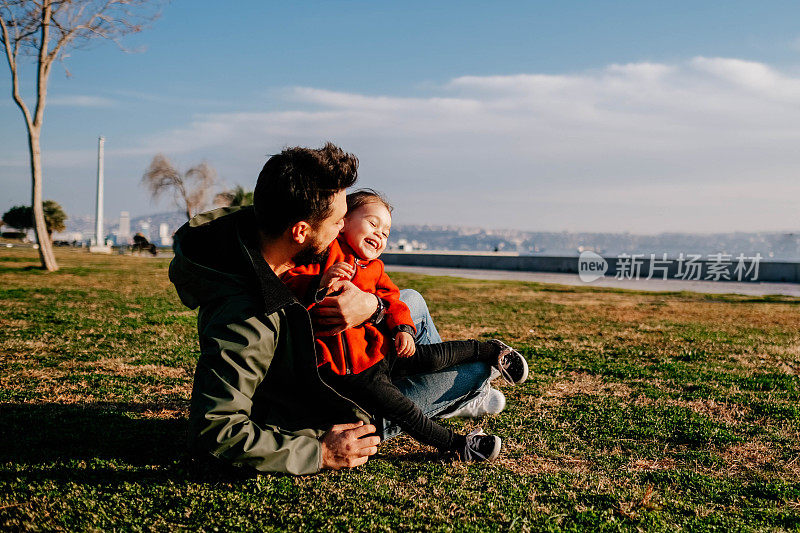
(15, 268)
(101, 443)
(420, 458)
(44, 433)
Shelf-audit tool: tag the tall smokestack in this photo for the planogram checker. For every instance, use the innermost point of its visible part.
(99, 234)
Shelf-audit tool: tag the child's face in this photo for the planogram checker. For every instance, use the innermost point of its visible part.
(366, 230)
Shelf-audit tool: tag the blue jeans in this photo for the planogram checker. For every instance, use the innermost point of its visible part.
(439, 392)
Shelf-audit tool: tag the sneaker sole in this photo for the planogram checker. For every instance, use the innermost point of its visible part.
(525, 373)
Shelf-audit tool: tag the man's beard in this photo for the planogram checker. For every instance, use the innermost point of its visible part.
(311, 254)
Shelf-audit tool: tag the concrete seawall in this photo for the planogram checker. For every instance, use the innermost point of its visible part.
(783, 271)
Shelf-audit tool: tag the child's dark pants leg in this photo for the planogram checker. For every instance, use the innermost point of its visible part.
(373, 390)
(438, 356)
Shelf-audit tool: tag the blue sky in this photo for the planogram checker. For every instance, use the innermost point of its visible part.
(583, 116)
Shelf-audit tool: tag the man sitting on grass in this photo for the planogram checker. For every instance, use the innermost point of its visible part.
(258, 400)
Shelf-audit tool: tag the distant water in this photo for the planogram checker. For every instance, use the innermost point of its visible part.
(770, 245)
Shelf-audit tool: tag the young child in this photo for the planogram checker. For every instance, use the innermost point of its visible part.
(361, 362)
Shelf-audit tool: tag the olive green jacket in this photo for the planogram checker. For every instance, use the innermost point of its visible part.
(257, 398)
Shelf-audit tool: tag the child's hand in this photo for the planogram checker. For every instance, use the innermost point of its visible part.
(339, 270)
(404, 344)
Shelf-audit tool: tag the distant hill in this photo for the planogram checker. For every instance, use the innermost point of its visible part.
(774, 245)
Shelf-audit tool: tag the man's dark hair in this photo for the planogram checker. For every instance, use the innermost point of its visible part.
(299, 184)
(365, 196)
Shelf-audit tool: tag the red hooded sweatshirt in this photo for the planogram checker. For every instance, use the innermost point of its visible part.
(358, 348)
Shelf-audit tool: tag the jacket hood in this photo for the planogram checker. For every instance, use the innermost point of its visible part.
(211, 261)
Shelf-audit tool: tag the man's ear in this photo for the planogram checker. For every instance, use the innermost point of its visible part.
(300, 232)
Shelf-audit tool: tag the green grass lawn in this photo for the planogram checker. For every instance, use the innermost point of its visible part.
(643, 411)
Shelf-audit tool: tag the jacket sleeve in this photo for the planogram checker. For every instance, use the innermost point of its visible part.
(397, 313)
(234, 361)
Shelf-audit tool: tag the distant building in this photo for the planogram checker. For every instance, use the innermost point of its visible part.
(405, 246)
(144, 229)
(123, 233)
(164, 235)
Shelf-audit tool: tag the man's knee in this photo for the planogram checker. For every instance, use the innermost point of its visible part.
(415, 302)
(473, 376)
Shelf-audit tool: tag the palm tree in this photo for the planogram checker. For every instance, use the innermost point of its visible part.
(21, 217)
(237, 196)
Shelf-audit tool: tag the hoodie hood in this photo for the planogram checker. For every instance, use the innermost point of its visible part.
(213, 259)
(209, 262)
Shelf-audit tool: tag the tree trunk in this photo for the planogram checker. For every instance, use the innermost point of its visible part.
(40, 226)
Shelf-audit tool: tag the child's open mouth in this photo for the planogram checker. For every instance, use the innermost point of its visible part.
(372, 243)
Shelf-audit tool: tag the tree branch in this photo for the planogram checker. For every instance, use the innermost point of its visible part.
(12, 65)
(44, 69)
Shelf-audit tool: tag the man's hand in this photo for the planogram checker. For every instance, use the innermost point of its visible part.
(404, 344)
(350, 307)
(346, 446)
(340, 270)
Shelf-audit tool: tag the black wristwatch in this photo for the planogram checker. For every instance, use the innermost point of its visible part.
(379, 313)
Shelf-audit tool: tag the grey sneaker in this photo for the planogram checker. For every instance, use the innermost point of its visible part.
(512, 366)
(481, 447)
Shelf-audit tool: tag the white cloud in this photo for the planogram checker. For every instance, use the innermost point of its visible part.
(162, 99)
(706, 144)
(80, 100)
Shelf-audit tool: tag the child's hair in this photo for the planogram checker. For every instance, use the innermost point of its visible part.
(364, 196)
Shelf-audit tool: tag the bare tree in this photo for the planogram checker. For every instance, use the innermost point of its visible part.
(190, 190)
(46, 30)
